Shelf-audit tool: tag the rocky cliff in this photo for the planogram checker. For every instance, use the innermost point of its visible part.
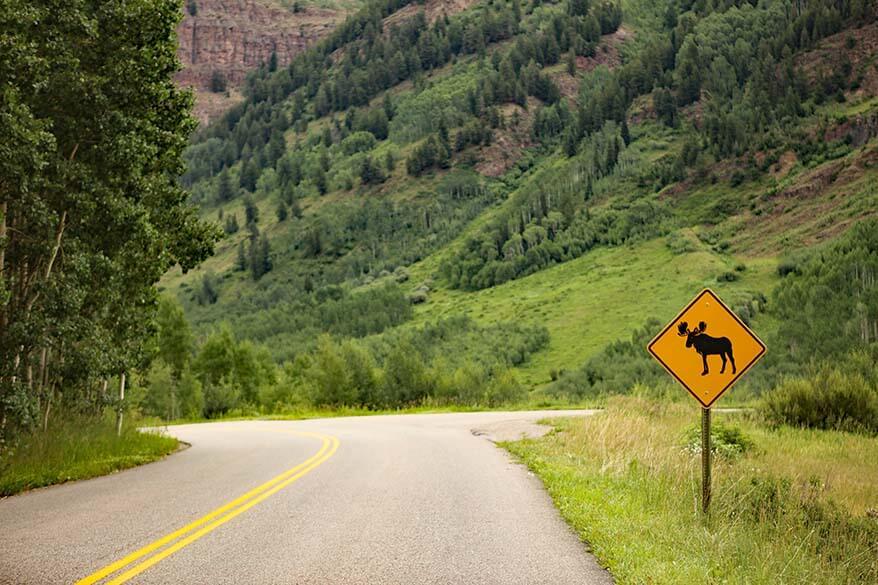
(224, 39)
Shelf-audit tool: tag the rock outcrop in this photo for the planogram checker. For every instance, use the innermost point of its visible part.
(228, 38)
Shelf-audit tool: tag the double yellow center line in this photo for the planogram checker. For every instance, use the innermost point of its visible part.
(194, 530)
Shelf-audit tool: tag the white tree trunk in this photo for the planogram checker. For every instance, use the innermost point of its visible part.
(121, 400)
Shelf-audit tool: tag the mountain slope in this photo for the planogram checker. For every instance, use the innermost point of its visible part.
(583, 166)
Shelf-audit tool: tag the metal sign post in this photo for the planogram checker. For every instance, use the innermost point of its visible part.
(705, 459)
(706, 348)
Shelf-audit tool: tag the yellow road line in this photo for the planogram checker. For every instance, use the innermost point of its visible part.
(235, 507)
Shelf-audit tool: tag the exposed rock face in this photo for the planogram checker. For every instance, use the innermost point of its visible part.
(234, 36)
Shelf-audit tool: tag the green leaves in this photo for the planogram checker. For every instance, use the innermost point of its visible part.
(91, 140)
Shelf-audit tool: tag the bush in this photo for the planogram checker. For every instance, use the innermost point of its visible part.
(220, 398)
(725, 441)
(831, 399)
(504, 389)
(218, 82)
(358, 142)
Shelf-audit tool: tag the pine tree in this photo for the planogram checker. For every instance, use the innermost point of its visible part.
(387, 104)
(249, 175)
(320, 181)
(225, 191)
(241, 260)
(688, 74)
(231, 225)
(370, 173)
(251, 212)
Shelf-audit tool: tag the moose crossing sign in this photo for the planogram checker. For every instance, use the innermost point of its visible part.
(707, 348)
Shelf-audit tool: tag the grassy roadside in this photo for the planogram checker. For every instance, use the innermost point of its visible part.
(78, 450)
(798, 506)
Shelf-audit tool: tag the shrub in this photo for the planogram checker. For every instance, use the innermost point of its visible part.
(831, 399)
(725, 441)
(504, 389)
(218, 82)
(358, 142)
(220, 398)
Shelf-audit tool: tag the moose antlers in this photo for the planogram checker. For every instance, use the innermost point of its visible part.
(683, 328)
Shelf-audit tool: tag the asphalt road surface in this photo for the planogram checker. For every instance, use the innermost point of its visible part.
(404, 499)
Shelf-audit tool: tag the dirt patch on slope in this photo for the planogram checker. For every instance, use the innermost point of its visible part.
(509, 141)
(433, 9)
(857, 46)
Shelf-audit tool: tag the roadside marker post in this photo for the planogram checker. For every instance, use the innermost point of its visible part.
(706, 348)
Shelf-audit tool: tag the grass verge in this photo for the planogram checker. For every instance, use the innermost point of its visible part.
(78, 450)
(797, 506)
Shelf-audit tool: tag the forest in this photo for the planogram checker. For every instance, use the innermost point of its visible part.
(91, 212)
(347, 191)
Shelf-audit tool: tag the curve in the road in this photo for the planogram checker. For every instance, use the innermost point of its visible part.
(214, 519)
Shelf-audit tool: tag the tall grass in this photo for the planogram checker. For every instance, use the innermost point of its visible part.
(625, 481)
(77, 448)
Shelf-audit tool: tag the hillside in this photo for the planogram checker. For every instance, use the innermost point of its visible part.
(568, 169)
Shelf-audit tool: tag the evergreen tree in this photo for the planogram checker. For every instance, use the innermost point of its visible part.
(225, 191)
(251, 212)
(370, 173)
(231, 225)
(320, 180)
(218, 82)
(688, 74)
(241, 261)
(665, 106)
(260, 258)
(249, 175)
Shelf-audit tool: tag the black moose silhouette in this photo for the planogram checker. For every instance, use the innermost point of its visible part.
(706, 345)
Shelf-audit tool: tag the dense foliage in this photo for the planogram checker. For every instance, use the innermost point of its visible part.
(843, 398)
(452, 362)
(91, 215)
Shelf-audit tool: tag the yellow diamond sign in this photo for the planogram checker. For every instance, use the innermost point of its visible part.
(707, 348)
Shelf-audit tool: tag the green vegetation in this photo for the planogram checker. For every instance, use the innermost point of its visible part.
(823, 310)
(78, 448)
(461, 210)
(91, 212)
(448, 363)
(790, 508)
(618, 168)
(843, 397)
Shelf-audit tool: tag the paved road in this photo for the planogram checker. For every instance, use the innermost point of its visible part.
(405, 499)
